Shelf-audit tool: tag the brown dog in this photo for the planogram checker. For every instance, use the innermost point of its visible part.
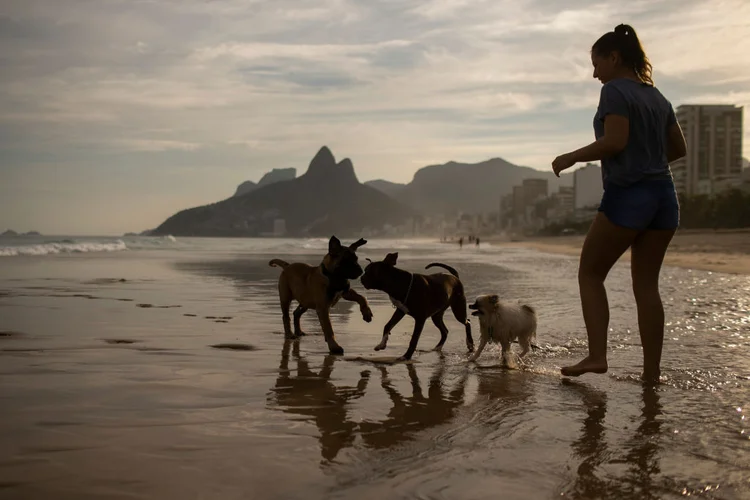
(421, 296)
(320, 288)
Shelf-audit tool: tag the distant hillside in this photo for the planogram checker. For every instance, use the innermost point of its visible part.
(392, 189)
(465, 187)
(275, 175)
(327, 199)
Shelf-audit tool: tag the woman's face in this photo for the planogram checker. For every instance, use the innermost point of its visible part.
(605, 67)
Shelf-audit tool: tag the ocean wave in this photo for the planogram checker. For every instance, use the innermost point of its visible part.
(151, 242)
(65, 246)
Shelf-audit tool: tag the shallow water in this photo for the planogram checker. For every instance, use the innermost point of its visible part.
(112, 389)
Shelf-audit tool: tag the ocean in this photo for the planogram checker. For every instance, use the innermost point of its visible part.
(144, 367)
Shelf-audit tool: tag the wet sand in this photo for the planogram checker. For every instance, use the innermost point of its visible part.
(719, 251)
(153, 376)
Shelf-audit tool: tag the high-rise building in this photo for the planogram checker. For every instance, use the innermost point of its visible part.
(519, 206)
(533, 189)
(714, 148)
(587, 186)
(566, 196)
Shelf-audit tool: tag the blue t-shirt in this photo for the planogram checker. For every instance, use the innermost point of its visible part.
(649, 114)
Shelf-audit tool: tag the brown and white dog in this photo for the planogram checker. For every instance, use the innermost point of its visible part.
(320, 288)
(504, 323)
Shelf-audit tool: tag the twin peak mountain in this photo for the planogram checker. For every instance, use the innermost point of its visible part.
(328, 198)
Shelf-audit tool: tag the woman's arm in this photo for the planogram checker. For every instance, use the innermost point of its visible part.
(616, 133)
(676, 145)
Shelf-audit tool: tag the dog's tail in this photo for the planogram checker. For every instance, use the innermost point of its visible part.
(278, 263)
(448, 268)
(531, 311)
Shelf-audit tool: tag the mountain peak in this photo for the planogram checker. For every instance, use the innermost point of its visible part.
(345, 170)
(323, 168)
(277, 175)
(327, 199)
(322, 162)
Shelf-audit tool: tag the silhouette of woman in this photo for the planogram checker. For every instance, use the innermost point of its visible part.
(637, 136)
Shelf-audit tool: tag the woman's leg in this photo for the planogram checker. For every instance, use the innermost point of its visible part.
(648, 252)
(604, 245)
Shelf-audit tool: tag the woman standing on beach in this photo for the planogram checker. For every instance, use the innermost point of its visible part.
(637, 136)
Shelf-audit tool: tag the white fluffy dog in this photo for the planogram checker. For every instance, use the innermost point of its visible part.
(504, 323)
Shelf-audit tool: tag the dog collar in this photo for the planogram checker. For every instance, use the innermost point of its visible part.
(402, 305)
(325, 271)
(335, 285)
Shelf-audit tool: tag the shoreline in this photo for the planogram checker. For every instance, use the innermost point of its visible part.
(724, 251)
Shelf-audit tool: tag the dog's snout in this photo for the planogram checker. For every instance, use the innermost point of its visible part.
(475, 307)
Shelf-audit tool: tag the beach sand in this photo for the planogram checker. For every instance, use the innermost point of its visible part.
(722, 251)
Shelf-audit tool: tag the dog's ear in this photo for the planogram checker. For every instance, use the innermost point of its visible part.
(334, 245)
(357, 244)
(391, 259)
(494, 300)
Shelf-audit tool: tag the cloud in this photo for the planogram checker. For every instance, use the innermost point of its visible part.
(195, 96)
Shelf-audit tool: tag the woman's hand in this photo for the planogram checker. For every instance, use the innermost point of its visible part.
(562, 162)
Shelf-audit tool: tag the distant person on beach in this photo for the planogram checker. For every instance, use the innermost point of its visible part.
(637, 136)
(477, 242)
(461, 242)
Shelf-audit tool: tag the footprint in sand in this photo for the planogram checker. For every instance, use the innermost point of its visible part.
(235, 347)
(219, 319)
(105, 281)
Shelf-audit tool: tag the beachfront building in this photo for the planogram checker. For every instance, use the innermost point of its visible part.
(714, 138)
(561, 205)
(587, 186)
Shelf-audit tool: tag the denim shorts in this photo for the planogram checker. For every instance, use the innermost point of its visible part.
(647, 204)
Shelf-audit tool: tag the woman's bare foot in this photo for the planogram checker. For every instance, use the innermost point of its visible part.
(651, 377)
(588, 365)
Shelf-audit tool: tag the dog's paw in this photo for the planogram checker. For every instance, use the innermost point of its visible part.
(470, 348)
(402, 358)
(380, 347)
(367, 315)
(337, 349)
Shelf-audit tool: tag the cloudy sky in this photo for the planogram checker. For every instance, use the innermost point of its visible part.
(117, 113)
